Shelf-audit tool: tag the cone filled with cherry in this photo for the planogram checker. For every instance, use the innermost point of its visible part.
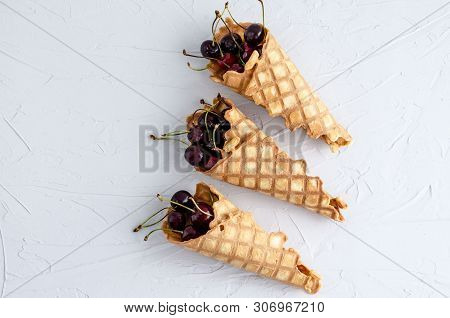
(225, 144)
(232, 236)
(247, 58)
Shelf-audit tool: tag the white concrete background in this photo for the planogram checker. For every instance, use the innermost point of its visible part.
(78, 77)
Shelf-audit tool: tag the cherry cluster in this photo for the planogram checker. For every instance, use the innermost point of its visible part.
(207, 138)
(232, 52)
(185, 216)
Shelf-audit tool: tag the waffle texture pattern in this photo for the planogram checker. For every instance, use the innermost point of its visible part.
(274, 82)
(251, 159)
(236, 239)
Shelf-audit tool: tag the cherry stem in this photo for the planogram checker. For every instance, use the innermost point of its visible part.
(216, 21)
(160, 229)
(207, 113)
(262, 7)
(213, 31)
(197, 69)
(218, 14)
(196, 205)
(242, 61)
(206, 124)
(203, 102)
(231, 16)
(200, 57)
(214, 136)
(140, 226)
(154, 223)
(150, 233)
(209, 107)
(175, 133)
(153, 137)
(161, 198)
(198, 110)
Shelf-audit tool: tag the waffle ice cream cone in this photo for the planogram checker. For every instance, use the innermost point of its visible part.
(252, 160)
(274, 82)
(236, 239)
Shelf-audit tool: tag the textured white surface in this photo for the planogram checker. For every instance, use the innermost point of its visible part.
(78, 77)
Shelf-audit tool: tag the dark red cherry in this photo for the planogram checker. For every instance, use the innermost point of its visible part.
(176, 220)
(211, 158)
(213, 140)
(246, 55)
(227, 60)
(200, 220)
(254, 34)
(219, 138)
(229, 45)
(207, 140)
(182, 198)
(248, 50)
(210, 49)
(259, 50)
(210, 119)
(202, 231)
(195, 134)
(237, 68)
(193, 155)
(189, 233)
(225, 125)
(206, 208)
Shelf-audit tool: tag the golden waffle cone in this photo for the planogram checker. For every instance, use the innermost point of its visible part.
(274, 82)
(252, 160)
(236, 239)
